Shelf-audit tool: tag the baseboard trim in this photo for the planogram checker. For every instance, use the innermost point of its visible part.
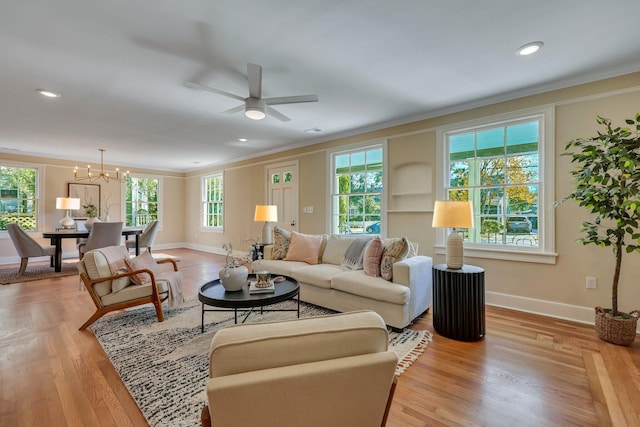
(558, 310)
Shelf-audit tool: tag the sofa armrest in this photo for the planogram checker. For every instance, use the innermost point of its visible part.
(416, 273)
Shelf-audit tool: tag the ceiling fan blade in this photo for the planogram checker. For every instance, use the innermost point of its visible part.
(254, 75)
(198, 86)
(277, 114)
(234, 110)
(291, 99)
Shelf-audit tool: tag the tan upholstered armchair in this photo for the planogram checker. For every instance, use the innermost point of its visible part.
(117, 291)
(27, 247)
(320, 371)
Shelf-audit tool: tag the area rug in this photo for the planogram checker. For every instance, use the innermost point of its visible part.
(9, 273)
(165, 366)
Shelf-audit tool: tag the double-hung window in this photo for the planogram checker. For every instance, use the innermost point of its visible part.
(141, 202)
(504, 166)
(357, 190)
(213, 202)
(19, 197)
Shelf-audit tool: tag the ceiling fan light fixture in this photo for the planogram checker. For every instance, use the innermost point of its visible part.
(529, 48)
(254, 109)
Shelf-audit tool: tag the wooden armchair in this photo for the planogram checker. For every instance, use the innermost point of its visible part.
(111, 292)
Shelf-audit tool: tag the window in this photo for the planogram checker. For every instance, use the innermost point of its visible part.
(212, 201)
(356, 190)
(500, 167)
(19, 197)
(141, 205)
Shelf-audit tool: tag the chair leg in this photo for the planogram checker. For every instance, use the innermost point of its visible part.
(98, 314)
(159, 313)
(23, 265)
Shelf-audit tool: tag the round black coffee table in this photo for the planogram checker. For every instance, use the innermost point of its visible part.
(213, 294)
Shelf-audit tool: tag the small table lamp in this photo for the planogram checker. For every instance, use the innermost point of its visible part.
(453, 214)
(266, 213)
(67, 203)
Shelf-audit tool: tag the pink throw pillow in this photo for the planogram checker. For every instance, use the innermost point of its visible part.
(304, 247)
(141, 262)
(372, 255)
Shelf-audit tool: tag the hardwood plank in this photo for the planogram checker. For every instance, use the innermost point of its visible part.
(529, 370)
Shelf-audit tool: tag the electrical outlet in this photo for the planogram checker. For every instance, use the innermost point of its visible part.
(591, 282)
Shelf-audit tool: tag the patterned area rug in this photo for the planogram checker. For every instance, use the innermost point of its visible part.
(35, 271)
(165, 365)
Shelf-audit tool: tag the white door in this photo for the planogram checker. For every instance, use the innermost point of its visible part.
(282, 191)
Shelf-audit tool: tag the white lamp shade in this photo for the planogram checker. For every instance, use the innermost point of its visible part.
(67, 203)
(267, 213)
(452, 214)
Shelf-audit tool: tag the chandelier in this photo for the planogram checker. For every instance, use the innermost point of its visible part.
(120, 177)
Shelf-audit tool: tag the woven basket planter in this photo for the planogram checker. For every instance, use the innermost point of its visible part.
(616, 330)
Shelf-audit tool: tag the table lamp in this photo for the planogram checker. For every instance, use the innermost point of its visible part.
(69, 204)
(453, 214)
(266, 213)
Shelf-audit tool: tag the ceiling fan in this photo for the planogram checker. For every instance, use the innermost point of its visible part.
(255, 106)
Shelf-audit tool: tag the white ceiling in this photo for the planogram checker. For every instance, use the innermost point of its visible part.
(121, 65)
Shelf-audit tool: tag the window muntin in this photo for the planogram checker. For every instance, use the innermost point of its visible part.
(212, 201)
(497, 167)
(357, 186)
(141, 201)
(19, 197)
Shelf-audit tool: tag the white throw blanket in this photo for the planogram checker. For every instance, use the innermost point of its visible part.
(174, 280)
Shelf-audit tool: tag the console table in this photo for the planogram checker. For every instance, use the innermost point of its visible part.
(458, 302)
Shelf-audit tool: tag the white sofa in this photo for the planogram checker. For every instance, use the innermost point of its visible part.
(331, 285)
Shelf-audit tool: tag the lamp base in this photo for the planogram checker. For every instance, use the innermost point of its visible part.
(67, 222)
(455, 252)
(267, 237)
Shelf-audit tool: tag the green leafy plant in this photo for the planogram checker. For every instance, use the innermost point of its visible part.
(90, 210)
(607, 177)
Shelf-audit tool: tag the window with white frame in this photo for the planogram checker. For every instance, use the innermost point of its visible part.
(356, 190)
(504, 167)
(19, 197)
(141, 201)
(212, 201)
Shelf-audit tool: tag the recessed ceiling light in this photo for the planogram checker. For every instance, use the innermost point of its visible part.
(313, 130)
(529, 48)
(242, 139)
(48, 93)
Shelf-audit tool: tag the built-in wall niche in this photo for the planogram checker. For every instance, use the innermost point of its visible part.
(412, 188)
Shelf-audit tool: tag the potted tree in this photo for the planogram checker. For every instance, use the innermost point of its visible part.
(607, 183)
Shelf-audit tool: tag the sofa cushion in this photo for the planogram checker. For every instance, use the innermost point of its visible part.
(144, 261)
(377, 288)
(305, 247)
(135, 291)
(281, 239)
(279, 266)
(395, 250)
(318, 275)
(337, 246)
(372, 257)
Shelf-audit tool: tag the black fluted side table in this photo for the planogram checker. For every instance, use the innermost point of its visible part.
(458, 302)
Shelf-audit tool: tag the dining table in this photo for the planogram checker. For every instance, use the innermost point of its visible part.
(58, 236)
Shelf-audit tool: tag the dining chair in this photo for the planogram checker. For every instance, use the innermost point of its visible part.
(27, 247)
(146, 237)
(102, 235)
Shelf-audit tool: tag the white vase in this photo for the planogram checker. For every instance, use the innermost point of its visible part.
(89, 223)
(233, 279)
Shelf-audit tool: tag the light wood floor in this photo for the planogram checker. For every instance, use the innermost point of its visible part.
(528, 371)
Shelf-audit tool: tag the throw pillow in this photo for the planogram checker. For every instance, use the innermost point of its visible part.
(281, 239)
(354, 254)
(372, 256)
(141, 262)
(304, 247)
(396, 250)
